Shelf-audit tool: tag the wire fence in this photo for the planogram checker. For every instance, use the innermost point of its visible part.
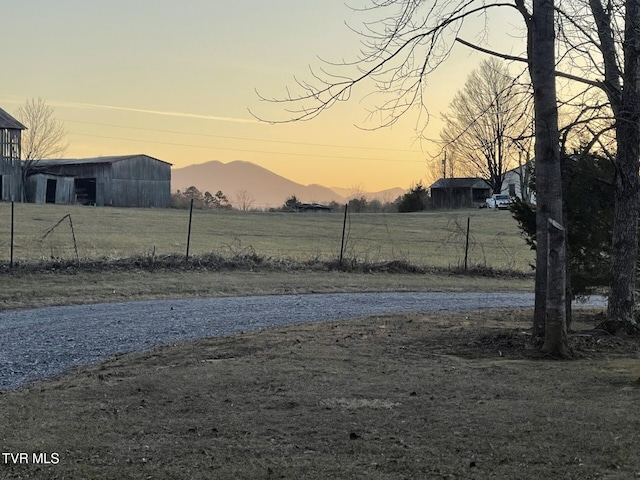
(477, 238)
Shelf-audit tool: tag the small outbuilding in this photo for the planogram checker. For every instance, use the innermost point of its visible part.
(459, 193)
(10, 151)
(120, 181)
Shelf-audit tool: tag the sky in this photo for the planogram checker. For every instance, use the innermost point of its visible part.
(177, 80)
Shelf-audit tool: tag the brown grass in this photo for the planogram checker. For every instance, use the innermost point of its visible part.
(68, 287)
(407, 396)
(434, 239)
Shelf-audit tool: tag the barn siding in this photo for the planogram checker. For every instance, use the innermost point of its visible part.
(37, 189)
(65, 191)
(141, 193)
(136, 181)
(141, 182)
(11, 172)
(141, 168)
(10, 143)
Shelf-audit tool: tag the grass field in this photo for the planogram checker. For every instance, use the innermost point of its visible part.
(434, 239)
(385, 398)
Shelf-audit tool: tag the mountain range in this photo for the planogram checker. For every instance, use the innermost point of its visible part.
(267, 189)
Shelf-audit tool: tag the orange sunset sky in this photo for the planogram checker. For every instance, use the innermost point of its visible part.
(176, 79)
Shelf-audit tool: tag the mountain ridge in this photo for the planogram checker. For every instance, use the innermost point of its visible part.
(265, 188)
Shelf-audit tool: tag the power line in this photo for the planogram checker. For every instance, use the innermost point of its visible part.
(248, 150)
(240, 138)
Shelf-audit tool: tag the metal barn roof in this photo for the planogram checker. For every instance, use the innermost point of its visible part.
(94, 160)
(7, 121)
(460, 183)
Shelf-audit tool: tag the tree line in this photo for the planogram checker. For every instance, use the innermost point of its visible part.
(415, 200)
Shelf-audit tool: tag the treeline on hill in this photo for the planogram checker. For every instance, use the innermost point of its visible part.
(415, 200)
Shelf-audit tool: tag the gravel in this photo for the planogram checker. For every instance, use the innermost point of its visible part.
(40, 343)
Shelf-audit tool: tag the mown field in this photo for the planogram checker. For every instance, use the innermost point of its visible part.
(434, 239)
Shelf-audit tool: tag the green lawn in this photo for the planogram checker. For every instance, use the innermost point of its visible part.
(426, 239)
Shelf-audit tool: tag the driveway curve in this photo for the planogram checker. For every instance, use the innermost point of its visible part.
(40, 343)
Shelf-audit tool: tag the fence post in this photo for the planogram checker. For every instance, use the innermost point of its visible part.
(11, 248)
(466, 245)
(189, 231)
(344, 228)
(73, 235)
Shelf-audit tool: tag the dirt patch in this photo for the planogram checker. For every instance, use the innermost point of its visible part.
(391, 397)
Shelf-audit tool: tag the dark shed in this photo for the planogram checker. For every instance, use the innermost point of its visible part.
(10, 151)
(459, 192)
(122, 181)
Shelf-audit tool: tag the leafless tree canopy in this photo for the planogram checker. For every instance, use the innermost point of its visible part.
(244, 200)
(45, 136)
(410, 39)
(487, 123)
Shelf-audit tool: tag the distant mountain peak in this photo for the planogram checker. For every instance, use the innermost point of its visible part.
(267, 188)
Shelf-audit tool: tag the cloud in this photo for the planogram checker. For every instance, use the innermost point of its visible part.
(95, 106)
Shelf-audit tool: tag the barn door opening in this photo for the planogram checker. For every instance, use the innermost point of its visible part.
(50, 196)
(85, 191)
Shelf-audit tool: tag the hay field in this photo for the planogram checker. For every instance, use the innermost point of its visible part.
(433, 239)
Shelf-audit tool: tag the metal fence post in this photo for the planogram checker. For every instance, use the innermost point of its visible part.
(344, 227)
(466, 245)
(189, 231)
(12, 224)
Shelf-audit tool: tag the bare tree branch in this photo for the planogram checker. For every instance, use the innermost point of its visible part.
(504, 56)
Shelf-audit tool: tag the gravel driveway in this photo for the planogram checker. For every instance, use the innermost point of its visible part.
(39, 343)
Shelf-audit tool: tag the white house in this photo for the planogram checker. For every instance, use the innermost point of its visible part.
(516, 184)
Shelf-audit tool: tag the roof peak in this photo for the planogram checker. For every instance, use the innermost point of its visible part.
(7, 121)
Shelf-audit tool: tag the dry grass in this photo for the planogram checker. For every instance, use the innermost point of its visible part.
(409, 396)
(47, 288)
(434, 239)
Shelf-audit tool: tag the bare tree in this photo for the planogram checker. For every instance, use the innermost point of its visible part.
(45, 136)
(244, 200)
(601, 41)
(601, 51)
(485, 118)
(625, 103)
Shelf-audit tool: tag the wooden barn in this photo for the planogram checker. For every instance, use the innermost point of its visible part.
(122, 181)
(459, 193)
(10, 151)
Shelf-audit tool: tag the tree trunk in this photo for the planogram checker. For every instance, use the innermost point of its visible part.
(555, 339)
(550, 269)
(624, 246)
(566, 168)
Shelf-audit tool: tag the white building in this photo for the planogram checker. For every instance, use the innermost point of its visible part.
(516, 184)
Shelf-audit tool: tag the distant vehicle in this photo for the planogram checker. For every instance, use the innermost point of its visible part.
(499, 201)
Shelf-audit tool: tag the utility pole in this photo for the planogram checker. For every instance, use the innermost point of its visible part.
(444, 166)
